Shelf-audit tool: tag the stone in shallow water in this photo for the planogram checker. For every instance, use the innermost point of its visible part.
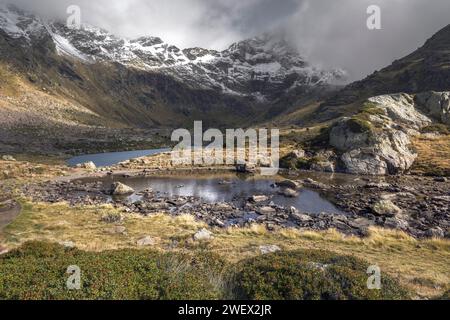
(289, 193)
(289, 184)
(259, 198)
(266, 210)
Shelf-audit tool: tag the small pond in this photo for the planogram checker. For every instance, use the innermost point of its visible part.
(112, 158)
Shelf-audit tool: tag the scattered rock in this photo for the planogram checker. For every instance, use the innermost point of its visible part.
(289, 184)
(396, 223)
(118, 189)
(288, 193)
(299, 153)
(6, 174)
(67, 244)
(3, 251)
(117, 230)
(436, 232)
(266, 210)
(8, 158)
(381, 185)
(269, 249)
(203, 235)
(146, 241)
(323, 166)
(386, 208)
(302, 218)
(112, 218)
(257, 199)
(245, 168)
(87, 165)
(440, 179)
(223, 207)
(319, 266)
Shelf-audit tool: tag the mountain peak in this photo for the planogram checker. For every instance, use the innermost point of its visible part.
(264, 66)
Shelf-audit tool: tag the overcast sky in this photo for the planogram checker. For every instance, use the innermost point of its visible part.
(331, 33)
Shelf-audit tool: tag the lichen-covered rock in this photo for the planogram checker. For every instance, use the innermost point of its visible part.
(401, 110)
(386, 208)
(372, 153)
(377, 140)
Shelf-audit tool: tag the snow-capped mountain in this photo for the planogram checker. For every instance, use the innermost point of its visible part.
(264, 67)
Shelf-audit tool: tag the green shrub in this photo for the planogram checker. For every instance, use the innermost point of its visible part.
(358, 125)
(38, 271)
(371, 108)
(308, 275)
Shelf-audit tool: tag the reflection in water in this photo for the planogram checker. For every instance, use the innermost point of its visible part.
(214, 189)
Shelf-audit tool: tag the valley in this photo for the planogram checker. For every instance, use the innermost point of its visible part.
(87, 173)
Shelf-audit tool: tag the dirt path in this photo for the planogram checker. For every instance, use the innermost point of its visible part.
(9, 210)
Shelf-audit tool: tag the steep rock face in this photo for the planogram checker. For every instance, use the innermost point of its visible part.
(385, 152)
(426, 69)
(435, 104)
(377, 140)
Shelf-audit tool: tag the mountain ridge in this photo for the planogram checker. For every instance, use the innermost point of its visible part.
(260, 67)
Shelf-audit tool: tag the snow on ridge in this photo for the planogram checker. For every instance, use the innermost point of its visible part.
(267, 59)
(63, 46)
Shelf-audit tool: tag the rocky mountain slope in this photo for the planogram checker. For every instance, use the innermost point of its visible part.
(426, 69)
(146, 82)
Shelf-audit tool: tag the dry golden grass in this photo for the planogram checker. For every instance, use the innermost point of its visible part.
(434, 155)
(421, 265)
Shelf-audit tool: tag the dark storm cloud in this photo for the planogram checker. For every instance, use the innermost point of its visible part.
(329, 32)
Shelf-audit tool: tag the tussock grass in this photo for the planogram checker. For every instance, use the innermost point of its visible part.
(422, 266)
(434, 156)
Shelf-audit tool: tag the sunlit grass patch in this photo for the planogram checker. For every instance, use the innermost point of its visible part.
(398, 254)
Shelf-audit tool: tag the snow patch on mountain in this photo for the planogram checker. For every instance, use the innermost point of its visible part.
(63, 46)
(260, 67)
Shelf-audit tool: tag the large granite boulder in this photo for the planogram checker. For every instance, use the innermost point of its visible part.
(377, 140)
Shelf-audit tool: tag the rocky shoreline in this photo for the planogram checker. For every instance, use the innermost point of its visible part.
(419, 206)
